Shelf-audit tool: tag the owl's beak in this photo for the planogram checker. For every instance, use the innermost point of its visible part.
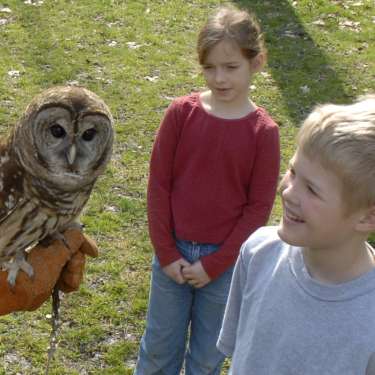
(71, 154)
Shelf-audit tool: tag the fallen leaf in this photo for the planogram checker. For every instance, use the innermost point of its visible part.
(151, 79)
(289, 34)
(363, 46)
(169, 98)
(305, 89)
(133, 45)
(351, 25)
(34, 2)
(72, 83)
(14, 73)
(319, 22)
(111, 208)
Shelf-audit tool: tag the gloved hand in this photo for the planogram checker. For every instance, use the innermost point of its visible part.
(72, 273)
(53, 265)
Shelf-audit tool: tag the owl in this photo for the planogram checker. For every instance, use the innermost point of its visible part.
(48, 167)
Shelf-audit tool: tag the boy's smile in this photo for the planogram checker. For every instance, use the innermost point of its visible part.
(290, 216)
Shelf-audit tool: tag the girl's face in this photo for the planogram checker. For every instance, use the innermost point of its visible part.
(227, 73)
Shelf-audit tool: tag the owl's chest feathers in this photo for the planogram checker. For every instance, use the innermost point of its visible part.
(38, 212)
(55, 201)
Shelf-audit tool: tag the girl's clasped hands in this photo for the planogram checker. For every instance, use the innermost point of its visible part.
(181, 271)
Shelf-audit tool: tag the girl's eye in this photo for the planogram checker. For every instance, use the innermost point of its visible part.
(232, 67)
(57, 131)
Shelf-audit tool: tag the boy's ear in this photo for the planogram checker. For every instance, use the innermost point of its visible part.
(367, 222)
(258, 62)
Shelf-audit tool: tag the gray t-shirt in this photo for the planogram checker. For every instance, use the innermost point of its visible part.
(280, 321)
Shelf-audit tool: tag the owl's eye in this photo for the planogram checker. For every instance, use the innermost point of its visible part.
(57, 131)
(89, 134)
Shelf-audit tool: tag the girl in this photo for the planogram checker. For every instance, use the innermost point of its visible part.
(213, 176)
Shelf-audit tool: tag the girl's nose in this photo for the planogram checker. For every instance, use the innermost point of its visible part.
(219, 75)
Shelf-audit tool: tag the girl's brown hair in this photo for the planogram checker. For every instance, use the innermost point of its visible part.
(230, 23)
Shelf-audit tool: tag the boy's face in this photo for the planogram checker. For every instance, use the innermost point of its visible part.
(313, 209)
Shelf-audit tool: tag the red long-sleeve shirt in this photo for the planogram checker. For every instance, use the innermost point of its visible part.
(212, 180)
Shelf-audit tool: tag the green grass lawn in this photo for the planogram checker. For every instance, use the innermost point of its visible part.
(138, 55)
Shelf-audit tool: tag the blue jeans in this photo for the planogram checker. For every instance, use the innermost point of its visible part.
(172, 310)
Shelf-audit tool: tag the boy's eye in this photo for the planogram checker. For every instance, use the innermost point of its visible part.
(311, 190)
(232, 67)
(207, 67)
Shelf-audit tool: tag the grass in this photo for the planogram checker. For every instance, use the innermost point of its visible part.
(138, 55)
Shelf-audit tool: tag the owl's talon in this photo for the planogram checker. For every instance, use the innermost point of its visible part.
(65, 242)
(13, 267)
(73, 225)
(61, 237)
(47, 241)
(12, 275)
(27, 268)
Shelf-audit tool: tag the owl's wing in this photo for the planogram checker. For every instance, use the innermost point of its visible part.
(5, 212)
(11, 191)
(11, 184)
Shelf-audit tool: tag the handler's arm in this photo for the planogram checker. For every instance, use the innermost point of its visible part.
(55, 264)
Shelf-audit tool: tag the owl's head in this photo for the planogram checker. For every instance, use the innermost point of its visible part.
(65, 137)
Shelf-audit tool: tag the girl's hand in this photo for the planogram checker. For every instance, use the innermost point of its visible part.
(174, 270)
(195, 275)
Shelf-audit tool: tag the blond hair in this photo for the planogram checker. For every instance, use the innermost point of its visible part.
(342, 138)
(230, 23)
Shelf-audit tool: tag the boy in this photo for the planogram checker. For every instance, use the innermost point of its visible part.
(302, 299)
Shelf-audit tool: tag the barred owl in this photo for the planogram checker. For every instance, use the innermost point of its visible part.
(48, 167)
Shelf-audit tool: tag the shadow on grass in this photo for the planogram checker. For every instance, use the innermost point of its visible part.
(300, 68)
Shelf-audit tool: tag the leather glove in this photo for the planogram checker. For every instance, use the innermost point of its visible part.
(53, 265)
(72, 273)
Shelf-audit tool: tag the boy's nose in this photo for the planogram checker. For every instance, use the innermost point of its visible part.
(288, 190)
